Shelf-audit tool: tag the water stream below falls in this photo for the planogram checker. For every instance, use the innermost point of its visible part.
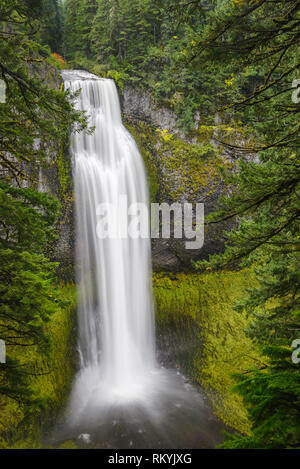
(121, 397)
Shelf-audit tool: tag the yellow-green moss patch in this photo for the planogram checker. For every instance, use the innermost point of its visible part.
(145, 139)
(199, 309)
(51, 382)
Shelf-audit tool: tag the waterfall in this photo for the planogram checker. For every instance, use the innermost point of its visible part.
(116, 333)
(121, 397)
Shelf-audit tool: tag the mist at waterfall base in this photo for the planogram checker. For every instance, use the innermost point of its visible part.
(121, 397)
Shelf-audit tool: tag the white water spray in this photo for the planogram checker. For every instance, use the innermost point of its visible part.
(116, 333)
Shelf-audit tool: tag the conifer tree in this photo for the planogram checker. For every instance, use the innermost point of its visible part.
(51, 25)
(265, 203)
(34, 120)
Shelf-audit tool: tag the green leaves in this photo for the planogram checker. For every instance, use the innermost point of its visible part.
(34, 122)
(27, 217)
(264, 202)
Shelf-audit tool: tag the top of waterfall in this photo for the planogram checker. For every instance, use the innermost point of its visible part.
(70, 75)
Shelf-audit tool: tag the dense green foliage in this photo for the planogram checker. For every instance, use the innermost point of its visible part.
(145, 42)
(50, 379)
(50, 32)
(35, 119)
(111, 30)
(264, 34)
(28, 295)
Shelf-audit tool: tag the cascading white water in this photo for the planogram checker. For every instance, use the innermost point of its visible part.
(116, 336)
(121, 397)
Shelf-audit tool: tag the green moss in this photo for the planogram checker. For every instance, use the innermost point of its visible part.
(68, 445)
(22, 428)
(63, 164)
(205, 336)
(189, 168)
(178, 169)
(146, 139)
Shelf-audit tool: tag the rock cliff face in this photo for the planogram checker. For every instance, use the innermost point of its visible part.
(138, 105)
(179, 171)
(55, 176)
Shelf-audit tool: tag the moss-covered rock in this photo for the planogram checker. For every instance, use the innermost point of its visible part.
(199, 332)
(22, 427)
(181, 171)
(146, 140)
